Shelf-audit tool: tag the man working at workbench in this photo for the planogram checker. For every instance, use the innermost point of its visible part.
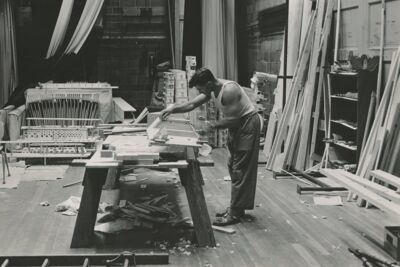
(243, 122)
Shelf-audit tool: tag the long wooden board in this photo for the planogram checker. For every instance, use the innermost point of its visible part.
(363, 192)
(386, 177)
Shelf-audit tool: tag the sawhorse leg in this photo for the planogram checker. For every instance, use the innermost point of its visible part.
(192, 181)
(84, 225)
(5, 164)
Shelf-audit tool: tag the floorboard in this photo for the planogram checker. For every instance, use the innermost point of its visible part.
(284, 229)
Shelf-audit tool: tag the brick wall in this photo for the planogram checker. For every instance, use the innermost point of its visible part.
(135, 39)
(264, 43)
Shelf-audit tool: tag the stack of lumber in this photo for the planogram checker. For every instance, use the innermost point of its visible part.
(297, 128)
(382, 147)
(298, 23)
(384, 198)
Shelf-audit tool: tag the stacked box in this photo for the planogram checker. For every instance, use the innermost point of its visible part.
(222, 137)
(222, 134)
(169, 88)
(181, 90)
(190, 66)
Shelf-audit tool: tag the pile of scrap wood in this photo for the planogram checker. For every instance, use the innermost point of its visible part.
(295, 137)
(386, 198)
(145, 215)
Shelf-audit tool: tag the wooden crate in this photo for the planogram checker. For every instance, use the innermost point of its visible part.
(392, 241)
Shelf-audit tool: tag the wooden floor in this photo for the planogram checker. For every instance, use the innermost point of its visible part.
(288, 230)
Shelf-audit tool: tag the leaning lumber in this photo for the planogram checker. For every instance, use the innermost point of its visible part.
(322, 74)
(363, 192)
(300, 72)
(369, 157)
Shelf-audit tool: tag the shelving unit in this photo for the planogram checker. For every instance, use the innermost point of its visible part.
(350, 95)
(344, 115)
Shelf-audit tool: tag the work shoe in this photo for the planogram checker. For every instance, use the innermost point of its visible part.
(237, 213)
(222, 213)
(228, 219)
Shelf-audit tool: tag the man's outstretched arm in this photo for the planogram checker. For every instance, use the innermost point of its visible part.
(185, 107)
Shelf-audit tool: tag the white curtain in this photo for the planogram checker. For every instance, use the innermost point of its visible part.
(219, 38)
(8, 52)
(88, 18)
(61, 27)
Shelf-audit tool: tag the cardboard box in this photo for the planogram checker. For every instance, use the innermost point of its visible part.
(169, 87)
(181, 93)
(169, 100)
(180, 75)
(169, 75)
(170, 94)
(181, 100)
(191, 63)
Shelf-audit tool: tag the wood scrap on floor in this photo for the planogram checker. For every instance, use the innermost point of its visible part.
(145, 215)
(222, 229)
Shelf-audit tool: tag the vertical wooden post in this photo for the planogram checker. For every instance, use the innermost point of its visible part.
(197, 203)
(84, 226)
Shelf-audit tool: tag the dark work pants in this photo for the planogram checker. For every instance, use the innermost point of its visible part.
(243, 145)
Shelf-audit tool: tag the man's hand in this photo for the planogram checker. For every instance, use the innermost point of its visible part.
(164, 114)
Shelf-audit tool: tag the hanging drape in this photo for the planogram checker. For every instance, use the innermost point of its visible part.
(61, 27)
(86, 22)
(8, 52)
(219, 38)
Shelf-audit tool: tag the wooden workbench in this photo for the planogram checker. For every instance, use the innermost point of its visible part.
(95, 177)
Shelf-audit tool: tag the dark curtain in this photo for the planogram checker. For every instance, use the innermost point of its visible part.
(241, 34)
(192, 32)
(33, 40)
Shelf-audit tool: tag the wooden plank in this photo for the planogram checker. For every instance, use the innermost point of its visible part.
(86, 219)
(191, 179)
(381, 46)
(365, 159)
(226, 230)
(322, 73)
(290, 106)
(327, 114)
(366, 194)
(69, 259)
(377, 188)
(386, 177)
(177, 141)
(120, 107)
(309, 89)
(390, 145)
(205, 161)
(121, 129)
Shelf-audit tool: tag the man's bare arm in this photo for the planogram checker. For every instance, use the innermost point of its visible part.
(185, 107)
